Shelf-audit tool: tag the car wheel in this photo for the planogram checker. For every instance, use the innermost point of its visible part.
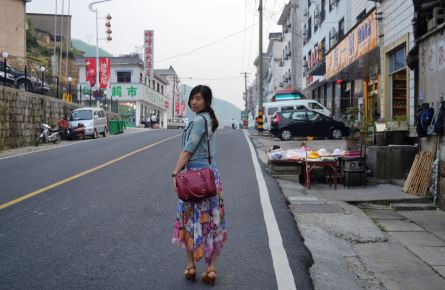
(94, 134)
(336, 134)
(22, 86)
(104, 134)
(285, 135)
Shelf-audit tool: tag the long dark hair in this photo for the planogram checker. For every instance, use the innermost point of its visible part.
(206, 92)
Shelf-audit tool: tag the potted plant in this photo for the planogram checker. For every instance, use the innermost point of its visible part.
(351, 121)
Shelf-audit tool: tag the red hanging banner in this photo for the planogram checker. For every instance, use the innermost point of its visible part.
(104, 76)
(90, 71)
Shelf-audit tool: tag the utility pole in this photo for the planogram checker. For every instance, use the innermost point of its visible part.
(245, 96)
(173, 98)
(260, 76)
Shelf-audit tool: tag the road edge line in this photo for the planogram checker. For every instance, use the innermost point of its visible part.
(283, 273)
(78, 175)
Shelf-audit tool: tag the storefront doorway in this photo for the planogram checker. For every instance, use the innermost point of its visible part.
(127, 112)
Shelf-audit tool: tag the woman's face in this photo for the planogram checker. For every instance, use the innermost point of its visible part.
(197, 103)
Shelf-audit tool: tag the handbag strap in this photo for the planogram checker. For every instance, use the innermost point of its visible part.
(208, 141)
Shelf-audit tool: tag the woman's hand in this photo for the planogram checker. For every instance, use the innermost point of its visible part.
(174, 184)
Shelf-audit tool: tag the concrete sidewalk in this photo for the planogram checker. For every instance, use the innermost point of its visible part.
(367, 245)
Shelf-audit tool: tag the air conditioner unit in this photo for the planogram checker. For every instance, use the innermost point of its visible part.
(306, 12)
(281, 63)
(333, 2)
(288, 22)
(305, 63)
(280, 84)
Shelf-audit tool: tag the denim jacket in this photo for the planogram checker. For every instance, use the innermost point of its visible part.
(194, 140)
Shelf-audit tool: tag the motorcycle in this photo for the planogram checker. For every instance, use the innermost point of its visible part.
(77, 132)
(48, 135)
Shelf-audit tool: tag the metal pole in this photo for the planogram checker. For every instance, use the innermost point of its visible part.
(245, 95)
(43, 80)
(26, 77)
(173, 98)
(55, 30)
(68, 28)
(57, 87)
(4, 77)
(80, 95)
(260, 77)
(91, 90)
(61, 42)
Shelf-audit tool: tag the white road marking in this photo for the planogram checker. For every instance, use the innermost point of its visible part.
(283, 272)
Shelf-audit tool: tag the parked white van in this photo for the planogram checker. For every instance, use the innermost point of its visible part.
(93, 119)
(272, 107)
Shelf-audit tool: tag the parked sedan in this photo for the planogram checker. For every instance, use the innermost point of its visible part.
(288, 124)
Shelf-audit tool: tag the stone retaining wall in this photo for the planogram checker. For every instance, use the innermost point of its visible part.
(21, 114)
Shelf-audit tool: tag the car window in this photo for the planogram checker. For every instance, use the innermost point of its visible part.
(286, 115)
(81, 115)
(299, 116)
(287, 108)
(315, 106)
(313, 116)
(271, 111)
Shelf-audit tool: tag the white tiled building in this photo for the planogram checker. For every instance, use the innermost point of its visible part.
(129, 95)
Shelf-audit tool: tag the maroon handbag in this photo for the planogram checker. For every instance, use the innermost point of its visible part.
(195, 186)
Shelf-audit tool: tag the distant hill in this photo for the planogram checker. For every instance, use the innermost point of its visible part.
(89, 50)
(224, 111)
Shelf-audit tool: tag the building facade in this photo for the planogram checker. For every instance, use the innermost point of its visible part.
(274, 76)
(133, 97)
(13, 36)
(177, 109)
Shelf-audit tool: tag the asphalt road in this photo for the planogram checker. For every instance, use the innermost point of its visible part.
(111, 227)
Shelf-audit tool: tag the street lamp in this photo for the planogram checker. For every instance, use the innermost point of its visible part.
(70, 79)
(43, 69)
(5, 56)
(90, 6)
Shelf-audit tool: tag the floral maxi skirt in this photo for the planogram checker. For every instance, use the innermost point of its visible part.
(200, 227)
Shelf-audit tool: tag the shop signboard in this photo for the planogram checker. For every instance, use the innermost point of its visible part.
(361, 40)
(148, 53)
(132, 92)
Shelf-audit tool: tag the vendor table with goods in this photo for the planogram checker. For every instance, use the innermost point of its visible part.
(307, 160)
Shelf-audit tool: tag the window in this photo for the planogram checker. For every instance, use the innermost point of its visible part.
(299, 116)
(153, 84)
(315, 106)
(124, 76)
(397, 59)
(308, 3)
(341, 28)
(157, 87)
(315, 23)
(360, 16)
(162, 89)
(287, 108)
(271, 111)
(309, 28)
(286, 115)
(312, 116)
(323, 11)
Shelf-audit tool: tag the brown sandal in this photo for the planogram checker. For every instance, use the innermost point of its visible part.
(206, 278)
(188, 275)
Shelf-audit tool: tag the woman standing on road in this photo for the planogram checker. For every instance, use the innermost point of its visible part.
(200, 226)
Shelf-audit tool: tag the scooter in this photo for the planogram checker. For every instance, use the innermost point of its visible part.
(48, 135)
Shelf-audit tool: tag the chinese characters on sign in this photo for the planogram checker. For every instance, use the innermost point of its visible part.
(360, 41)
(148, 53)
(104, 72)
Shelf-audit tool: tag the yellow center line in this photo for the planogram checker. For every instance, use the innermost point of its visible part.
(63, 181)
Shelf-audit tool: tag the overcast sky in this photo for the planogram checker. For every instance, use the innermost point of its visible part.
(182, 26)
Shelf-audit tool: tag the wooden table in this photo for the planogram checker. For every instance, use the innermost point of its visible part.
(330, 164)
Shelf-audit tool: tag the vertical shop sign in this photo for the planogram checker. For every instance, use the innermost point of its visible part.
(148, 53)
